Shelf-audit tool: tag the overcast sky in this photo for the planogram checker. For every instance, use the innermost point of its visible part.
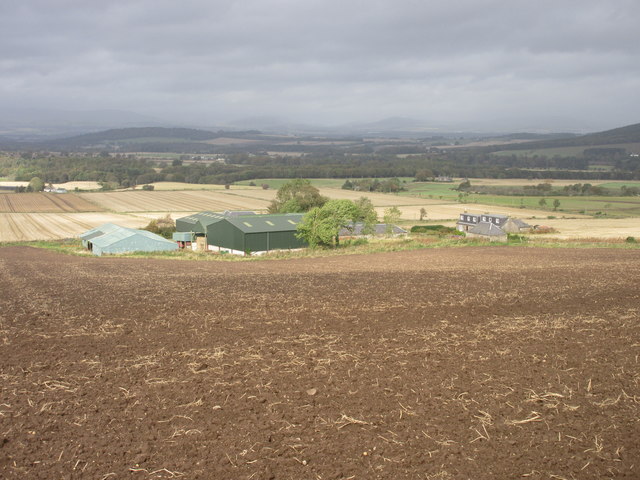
(326, 61)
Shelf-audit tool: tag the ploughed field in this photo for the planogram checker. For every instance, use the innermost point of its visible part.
(476, 363)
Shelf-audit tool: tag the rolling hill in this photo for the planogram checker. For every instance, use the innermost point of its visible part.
(628, 134)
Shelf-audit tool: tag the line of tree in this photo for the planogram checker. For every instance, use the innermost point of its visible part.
(361, 171)
(546, 189)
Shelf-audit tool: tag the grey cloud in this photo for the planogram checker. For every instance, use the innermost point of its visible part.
(328, 60)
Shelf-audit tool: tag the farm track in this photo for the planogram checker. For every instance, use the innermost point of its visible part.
(483, 363)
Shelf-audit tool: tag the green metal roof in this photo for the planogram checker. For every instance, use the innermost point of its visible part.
(266, 223)
(204, 218)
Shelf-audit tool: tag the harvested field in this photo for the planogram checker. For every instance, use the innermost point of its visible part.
(45, 202)
(19, 227)
(157, 186)
(170, 201)
(591, 228)
(81, 185)
(481, 363)
(255, 198)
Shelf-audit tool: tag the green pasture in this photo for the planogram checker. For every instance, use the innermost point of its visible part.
(605, 206)
(618, 184)
(431, 190)
(609, 206)
(276, 183)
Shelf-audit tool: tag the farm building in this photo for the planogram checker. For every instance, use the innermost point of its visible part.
(490, 226)
(489, 231)
(378, 229)
(468, 221)
(242, 234)
(111, 238)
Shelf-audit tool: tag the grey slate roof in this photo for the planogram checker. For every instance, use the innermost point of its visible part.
(520, 223)
(487, 228)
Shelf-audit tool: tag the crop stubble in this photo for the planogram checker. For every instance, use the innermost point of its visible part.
(460, 363)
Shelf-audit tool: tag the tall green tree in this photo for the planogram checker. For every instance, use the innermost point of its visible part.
(365, 214)
(391, 217)
(297, 196)
(36, 184)
(321, 225)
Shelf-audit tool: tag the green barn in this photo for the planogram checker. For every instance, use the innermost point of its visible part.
(244, 234)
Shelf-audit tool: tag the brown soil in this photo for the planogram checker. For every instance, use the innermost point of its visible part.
(469, 363)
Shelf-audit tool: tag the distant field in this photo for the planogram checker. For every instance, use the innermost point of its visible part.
(44, 202)
(236, 198)
(275, 183)
(68, 185)
(592, 227)
(17, 227)
(618, 184)
(609, 205)
(136, 207)
(178, 201)
(568, 151)
(185, 186)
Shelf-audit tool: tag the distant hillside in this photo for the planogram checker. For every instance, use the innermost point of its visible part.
(628, 134)
(120, 134)
(153, 139)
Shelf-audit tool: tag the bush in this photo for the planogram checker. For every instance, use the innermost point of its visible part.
(148, 187)
(543, 229)
(164, 226)
(630, 240)
(354, 242)
(435, 230)
(514, 237)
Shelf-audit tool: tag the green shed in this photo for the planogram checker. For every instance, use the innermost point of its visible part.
(198, 222)
(242, 234)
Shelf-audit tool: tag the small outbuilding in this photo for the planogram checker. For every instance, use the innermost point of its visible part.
(379, 229)
(112, 239)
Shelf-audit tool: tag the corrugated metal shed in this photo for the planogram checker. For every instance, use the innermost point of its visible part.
(110, 238)
(198, 222)
(245, 233)
(257, 233)
(96, 232)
